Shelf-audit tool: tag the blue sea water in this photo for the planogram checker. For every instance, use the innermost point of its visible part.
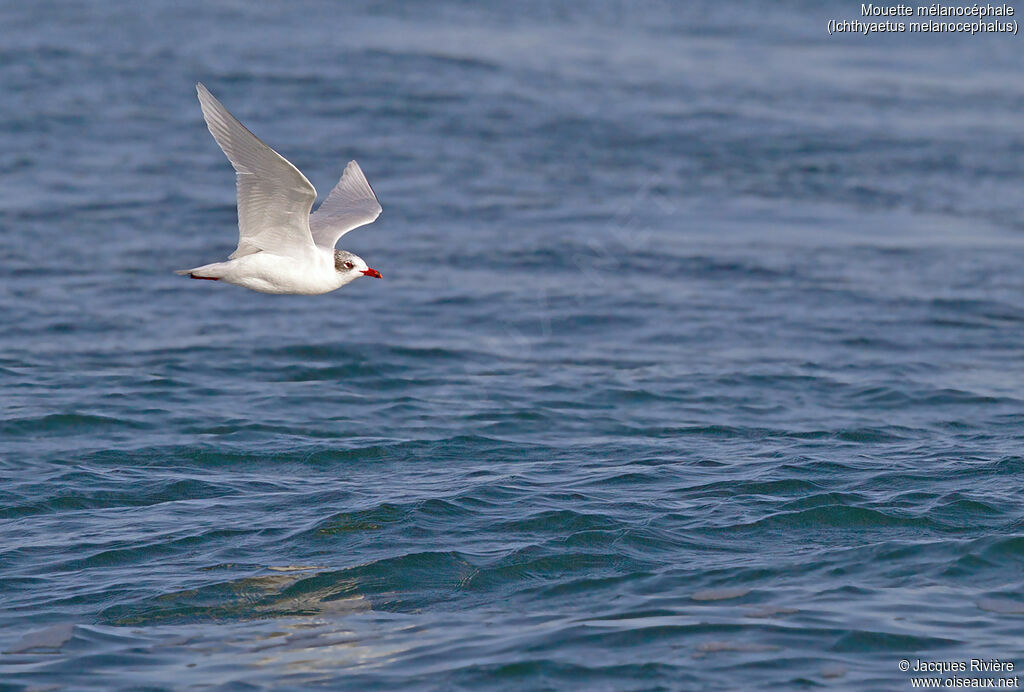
(697, 362)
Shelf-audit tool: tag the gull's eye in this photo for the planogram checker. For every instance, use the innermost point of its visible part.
(348, 265)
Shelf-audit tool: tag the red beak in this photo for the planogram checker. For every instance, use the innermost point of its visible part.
(372, 272)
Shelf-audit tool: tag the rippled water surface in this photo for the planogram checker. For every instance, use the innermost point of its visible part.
(697, 362)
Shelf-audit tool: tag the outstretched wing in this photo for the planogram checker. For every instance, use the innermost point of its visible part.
(351, 204)
(274, 198)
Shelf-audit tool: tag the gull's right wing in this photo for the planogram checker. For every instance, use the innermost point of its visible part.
(350, 205)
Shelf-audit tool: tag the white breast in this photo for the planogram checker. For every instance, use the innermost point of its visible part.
(268, 273)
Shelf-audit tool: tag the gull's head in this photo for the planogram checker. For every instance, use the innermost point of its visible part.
(350, 267)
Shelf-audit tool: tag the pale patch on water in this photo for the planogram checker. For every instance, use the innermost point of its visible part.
(834, 671)
(719, 594)
(1001, 605)
(714, 647)
(771, 611)
(49, 640)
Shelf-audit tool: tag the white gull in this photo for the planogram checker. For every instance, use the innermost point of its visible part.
(282, 248)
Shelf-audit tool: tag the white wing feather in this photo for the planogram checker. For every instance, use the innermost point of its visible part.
(351, 204)
(274, 198)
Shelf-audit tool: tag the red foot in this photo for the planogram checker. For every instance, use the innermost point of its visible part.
(204, 278)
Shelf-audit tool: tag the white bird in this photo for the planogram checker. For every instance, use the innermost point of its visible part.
(282, 248)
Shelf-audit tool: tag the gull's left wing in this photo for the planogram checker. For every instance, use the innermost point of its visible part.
(274, 198)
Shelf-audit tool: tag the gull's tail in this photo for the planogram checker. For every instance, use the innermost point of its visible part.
(209, 272)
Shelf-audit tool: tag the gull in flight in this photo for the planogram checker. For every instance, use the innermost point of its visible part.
(282, 248)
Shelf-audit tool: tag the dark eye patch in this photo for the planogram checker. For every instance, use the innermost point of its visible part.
(349, 265)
